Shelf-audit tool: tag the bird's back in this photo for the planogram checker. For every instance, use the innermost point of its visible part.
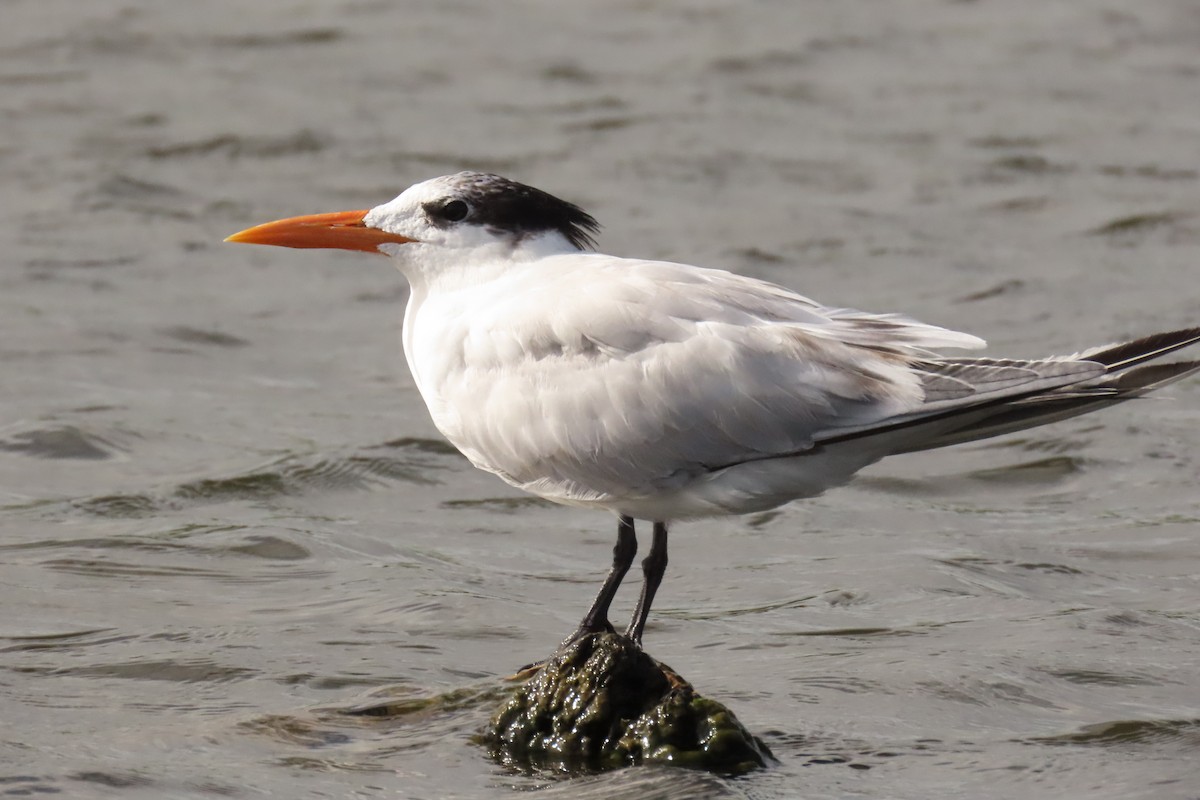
(587, 378)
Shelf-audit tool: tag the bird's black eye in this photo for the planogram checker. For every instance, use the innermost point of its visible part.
(454, 211)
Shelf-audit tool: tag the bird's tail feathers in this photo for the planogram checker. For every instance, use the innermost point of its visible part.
(1126, 375)
(1056, 406)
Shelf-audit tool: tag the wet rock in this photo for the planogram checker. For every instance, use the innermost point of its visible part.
(602, 703)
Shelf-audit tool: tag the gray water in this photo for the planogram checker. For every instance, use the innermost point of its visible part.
(225, 517)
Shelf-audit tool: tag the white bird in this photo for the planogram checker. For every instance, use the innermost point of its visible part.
(664, 391)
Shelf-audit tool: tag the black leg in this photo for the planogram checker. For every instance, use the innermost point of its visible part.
(653, 567)
(596, 619)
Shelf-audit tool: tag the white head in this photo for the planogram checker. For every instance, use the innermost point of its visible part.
(442, 221)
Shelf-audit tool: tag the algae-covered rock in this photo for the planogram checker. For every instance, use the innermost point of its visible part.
(600, 702)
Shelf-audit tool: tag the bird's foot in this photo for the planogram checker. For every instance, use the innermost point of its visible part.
(587, 629)
(584, 630)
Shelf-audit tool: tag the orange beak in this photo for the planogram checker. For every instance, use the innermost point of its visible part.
(341, 230)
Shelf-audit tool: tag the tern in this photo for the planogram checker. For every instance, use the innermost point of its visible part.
(665, 392)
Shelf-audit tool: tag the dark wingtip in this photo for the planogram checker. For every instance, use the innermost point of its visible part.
(1130, 354)
(1149, 377)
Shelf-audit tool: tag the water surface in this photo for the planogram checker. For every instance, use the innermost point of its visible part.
(225, 518)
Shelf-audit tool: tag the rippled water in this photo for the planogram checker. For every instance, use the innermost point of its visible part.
(225, 519)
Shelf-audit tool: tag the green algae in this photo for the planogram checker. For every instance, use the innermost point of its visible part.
(601, 703)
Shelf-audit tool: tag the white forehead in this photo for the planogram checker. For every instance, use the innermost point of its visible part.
(410, 200)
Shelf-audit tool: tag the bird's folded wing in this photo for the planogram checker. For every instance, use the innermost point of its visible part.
(633, 381)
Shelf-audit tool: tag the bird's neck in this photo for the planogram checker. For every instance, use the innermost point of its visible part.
(448, 284)
(433, 268)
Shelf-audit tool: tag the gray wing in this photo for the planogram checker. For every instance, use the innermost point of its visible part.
(1050, 390)
(605, 377)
